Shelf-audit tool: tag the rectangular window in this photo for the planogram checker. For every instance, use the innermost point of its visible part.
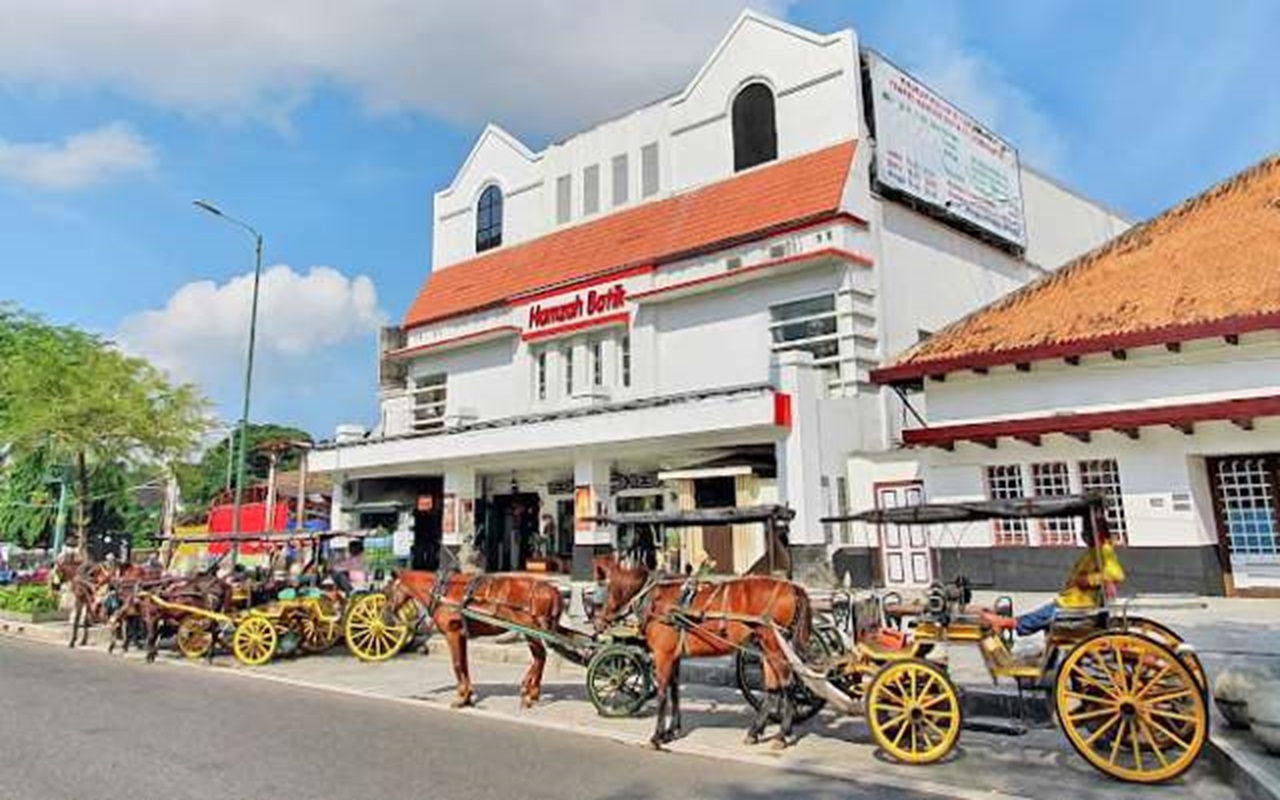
(591, 189)
(1247, 496)
(567, 357)
(597, 363)
(542, 375)
(564, 199)
(1103, 475)
(649, 170)
(620, 180)
(808, 324)
(429, 394)
(1004, 482)
(1053, 479)
(625, 360)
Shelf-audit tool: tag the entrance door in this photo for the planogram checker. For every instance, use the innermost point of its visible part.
(511, 538)
(908, 560)
(717, 540)
(1245, 490)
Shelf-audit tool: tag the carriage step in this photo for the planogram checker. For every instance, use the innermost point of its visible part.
(1004, 703)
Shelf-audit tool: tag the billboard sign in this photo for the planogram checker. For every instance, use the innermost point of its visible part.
(935, 153)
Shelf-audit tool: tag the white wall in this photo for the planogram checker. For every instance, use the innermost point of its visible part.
(1062, 224)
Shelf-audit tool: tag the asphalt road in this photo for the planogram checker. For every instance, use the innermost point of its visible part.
(87, 726)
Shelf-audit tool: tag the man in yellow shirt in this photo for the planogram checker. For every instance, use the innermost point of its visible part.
(1093, 578)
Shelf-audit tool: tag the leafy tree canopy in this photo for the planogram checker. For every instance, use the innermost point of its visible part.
(204, 480)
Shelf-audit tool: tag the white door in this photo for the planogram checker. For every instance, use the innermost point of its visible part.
(908, 562)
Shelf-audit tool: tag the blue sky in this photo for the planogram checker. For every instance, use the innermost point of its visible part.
(330, 130)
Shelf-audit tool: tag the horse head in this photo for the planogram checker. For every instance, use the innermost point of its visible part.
(623, 580)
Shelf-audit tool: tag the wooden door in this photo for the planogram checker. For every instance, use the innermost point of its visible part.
(717, 541)
(907, 557)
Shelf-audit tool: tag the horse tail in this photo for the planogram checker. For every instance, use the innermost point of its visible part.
(801, 619)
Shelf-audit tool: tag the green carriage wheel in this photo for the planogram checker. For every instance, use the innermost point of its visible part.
(619, 681)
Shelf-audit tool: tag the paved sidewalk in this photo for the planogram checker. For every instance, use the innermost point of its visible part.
(985, 765)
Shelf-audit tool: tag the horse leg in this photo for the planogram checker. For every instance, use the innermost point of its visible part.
(84, 630)
(664, 672)
(75, 622)
(457, 641)
(153, 636)
(782, 679)
(676, 722)
(532, 684)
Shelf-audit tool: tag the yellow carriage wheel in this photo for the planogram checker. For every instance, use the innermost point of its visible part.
(195, 637)
(254, 641)
(1131, 707)
(913, 711)
(1163, 634)
(319, 630)
(372, 637)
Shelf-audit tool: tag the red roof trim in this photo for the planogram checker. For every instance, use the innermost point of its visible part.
(826, 252)
(1183, 414)
(620, 318)
(1150, 337)
(454, 341)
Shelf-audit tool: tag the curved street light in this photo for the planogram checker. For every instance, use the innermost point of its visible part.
(205, 205)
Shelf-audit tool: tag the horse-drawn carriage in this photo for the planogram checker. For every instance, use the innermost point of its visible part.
(1127, 692)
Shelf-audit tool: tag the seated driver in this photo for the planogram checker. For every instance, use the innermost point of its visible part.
(1093, 577)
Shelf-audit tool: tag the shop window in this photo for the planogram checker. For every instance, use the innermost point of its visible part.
(1004, 482)
(564, 199)
(566, 356)
(1246, 489)
(429, 395)
(755, 136)
(591, 189)
(541, 375)
(1103, 475)
(721, 492)
(625, 360)
(810, 325)
(649, 170)
(621, 189)
(597, 363)
(1053, 479)
(489, 219)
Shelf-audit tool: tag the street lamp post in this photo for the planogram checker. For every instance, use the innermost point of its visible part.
(248, 369)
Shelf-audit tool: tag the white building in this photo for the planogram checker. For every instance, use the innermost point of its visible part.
(681, 307)
(1149, 369)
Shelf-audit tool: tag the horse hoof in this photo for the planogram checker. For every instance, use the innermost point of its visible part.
(655, 745)
(779, 744)
(751, 738)
(527, 703)
(463, 702)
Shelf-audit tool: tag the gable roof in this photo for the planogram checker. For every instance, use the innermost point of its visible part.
(765, 199)
(1208, 267)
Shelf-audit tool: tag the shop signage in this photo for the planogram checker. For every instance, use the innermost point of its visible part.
(577, 310)
(426, 503)
(937, 154)
(584, 509)
(619, 481)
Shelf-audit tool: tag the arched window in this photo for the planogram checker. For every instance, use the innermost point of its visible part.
(755, 135)
(489, 219)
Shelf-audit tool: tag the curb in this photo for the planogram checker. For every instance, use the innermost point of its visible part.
(1242, 767)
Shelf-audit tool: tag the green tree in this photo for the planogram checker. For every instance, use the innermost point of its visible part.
(28, 499)
(202, 481)
(81, 401)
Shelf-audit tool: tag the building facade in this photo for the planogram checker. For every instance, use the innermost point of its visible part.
(681, 308)
(1149, 370)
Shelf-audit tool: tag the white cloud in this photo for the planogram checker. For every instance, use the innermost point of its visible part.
(538, 65)
(933, 47)
(200, 334)
(80, 160)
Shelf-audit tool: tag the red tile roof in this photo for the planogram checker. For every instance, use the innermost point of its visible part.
(1207, 267)
(800, 189)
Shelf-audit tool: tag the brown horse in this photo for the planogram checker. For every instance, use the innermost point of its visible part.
(521, 600)
(204, 591)
(681, 618)
(89, 585)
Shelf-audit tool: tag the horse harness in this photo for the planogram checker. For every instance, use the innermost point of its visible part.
(687, 620)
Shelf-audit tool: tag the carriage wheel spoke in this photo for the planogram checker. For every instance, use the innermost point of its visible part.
(1137, 747)
(1099, 712)
(1155, 748)
(1085, 677)
(1115, 745)
(897, 740)
(942, 734)
(1164, 670)
(1166, 732)
(1097, 734)
(1159, 712)
(1164, 698)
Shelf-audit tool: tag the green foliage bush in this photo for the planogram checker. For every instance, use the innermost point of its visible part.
(29, 599)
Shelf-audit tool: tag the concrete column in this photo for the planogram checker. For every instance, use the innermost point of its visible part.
(459, 522)
(591, 498)
(337, 517)
(800, 460)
